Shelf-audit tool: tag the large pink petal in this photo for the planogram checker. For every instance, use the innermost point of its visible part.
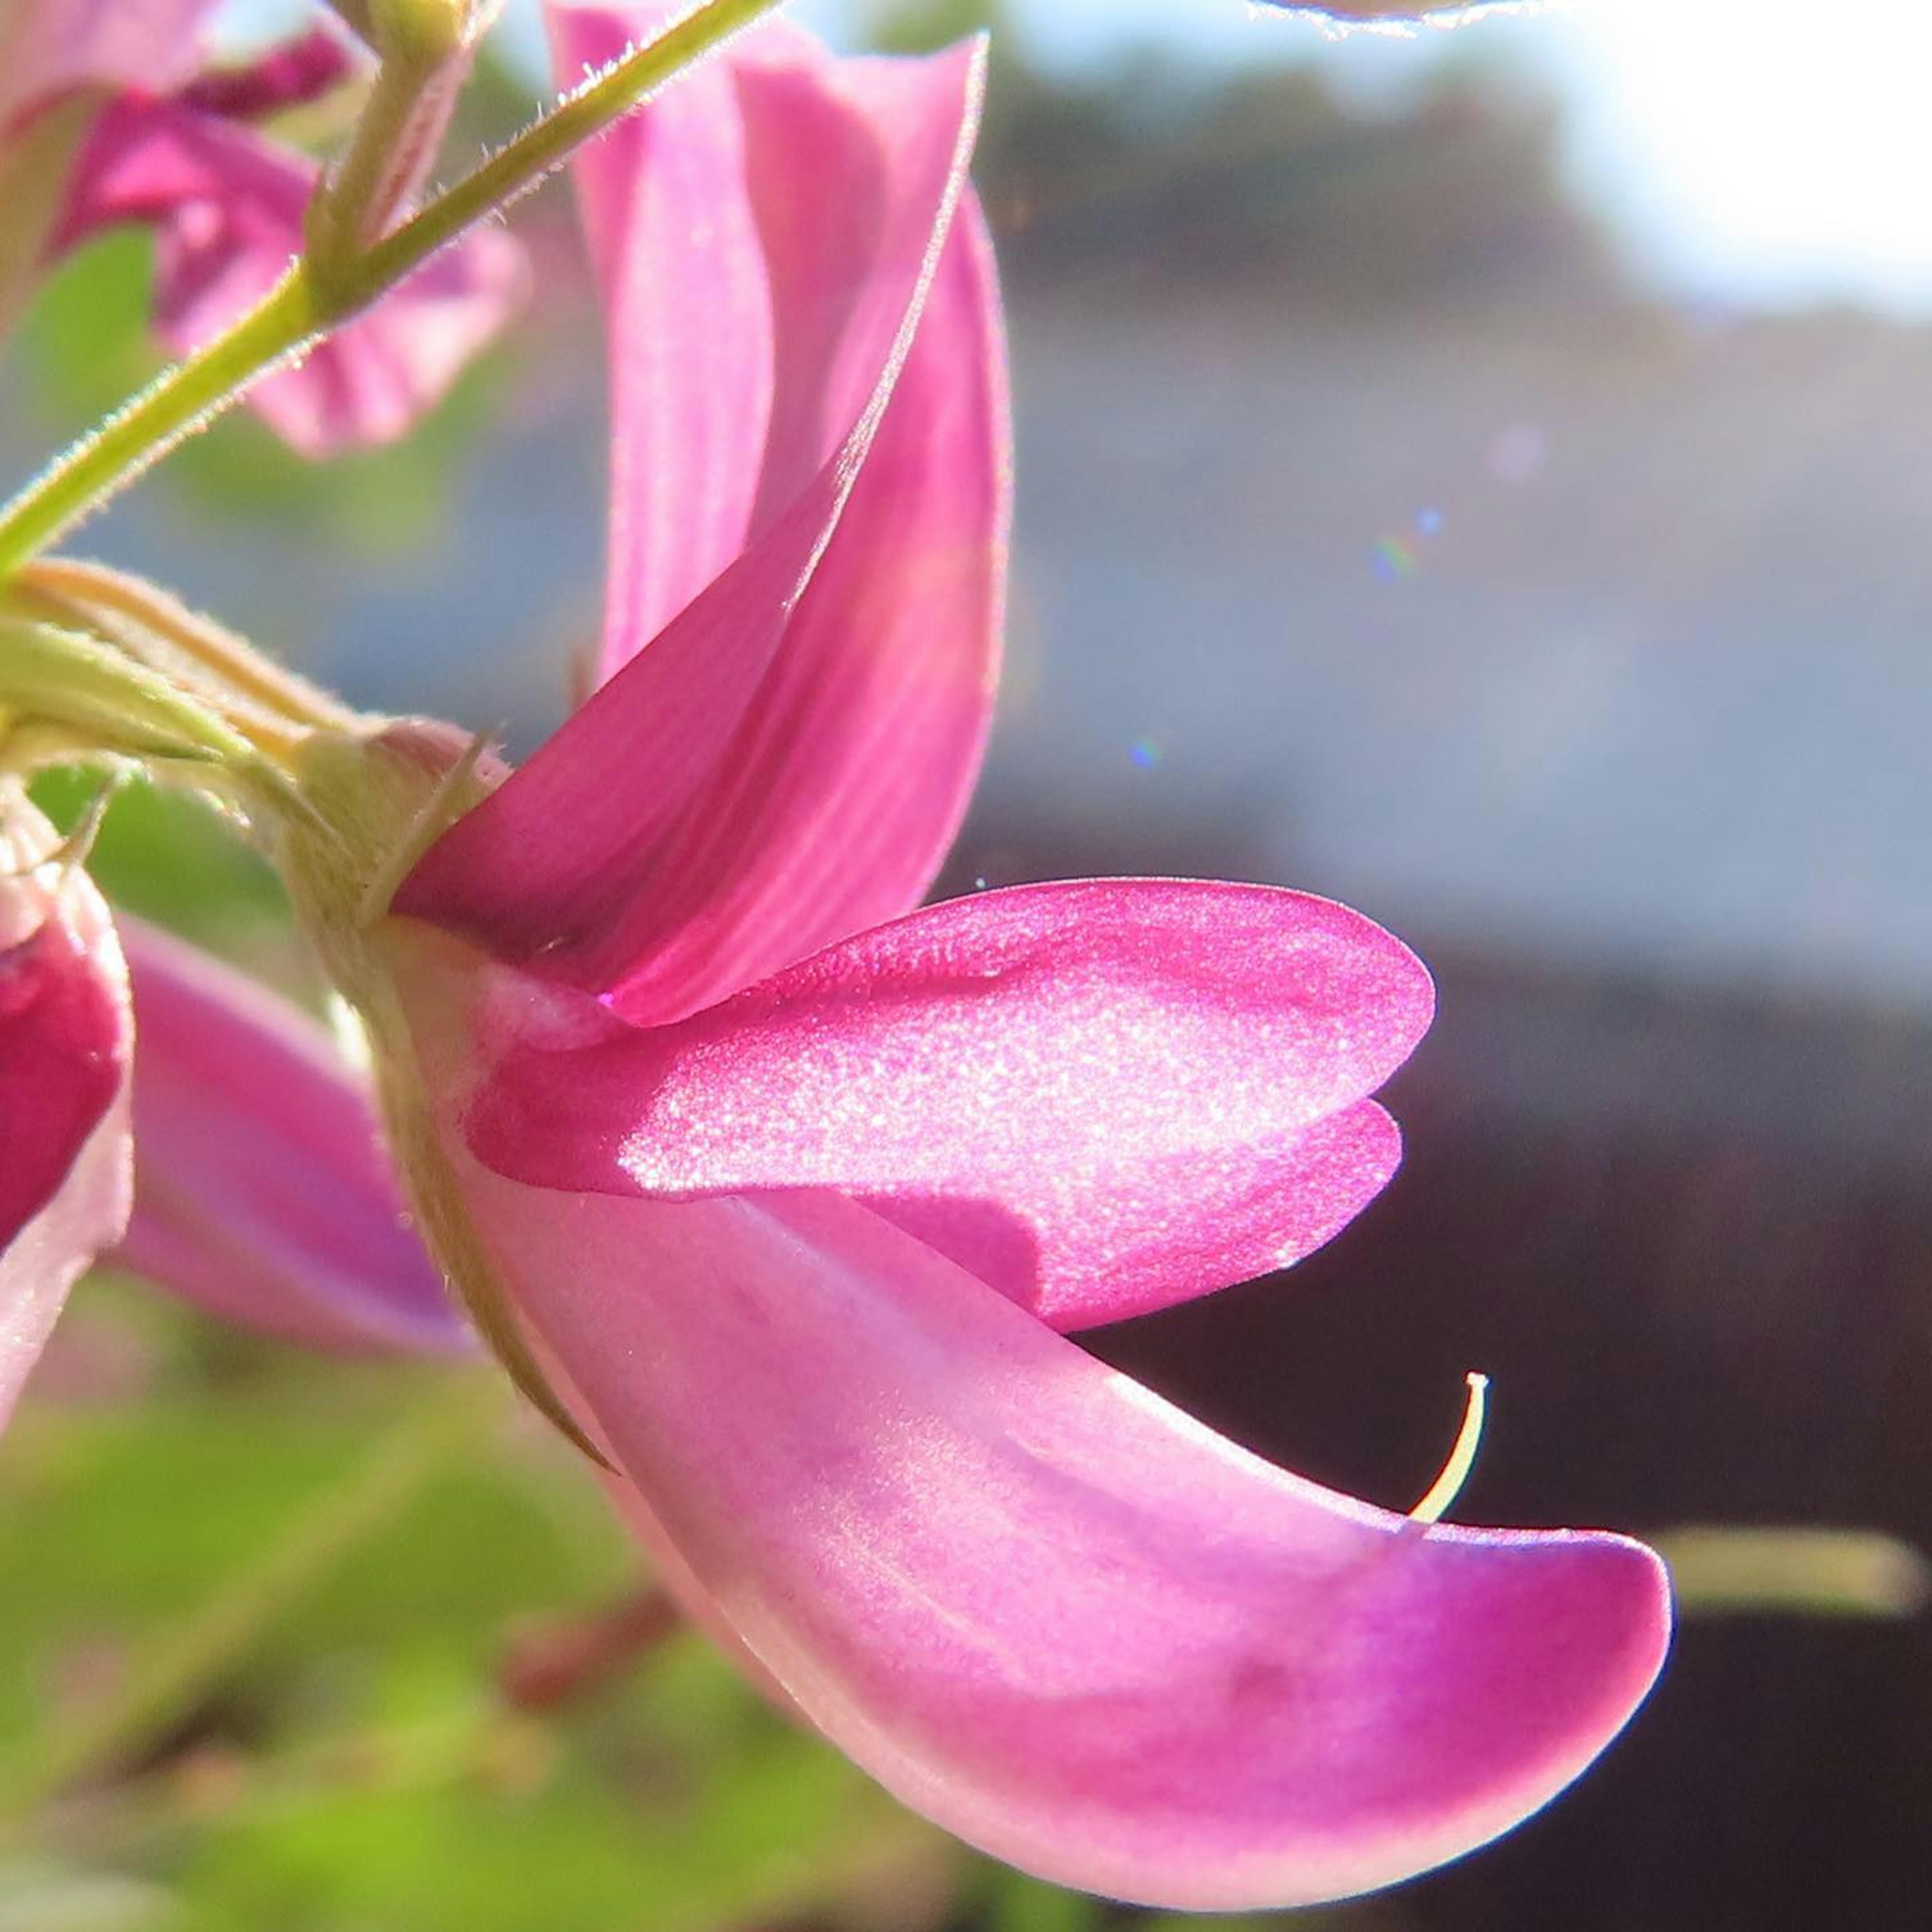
(857, 170)
(833, 806)
(674, 239)
(227, 207)
(262, 1189)
(755, 228)
(1100, 1097)
(65, 1038)
(48, 47)
(1044, 1607)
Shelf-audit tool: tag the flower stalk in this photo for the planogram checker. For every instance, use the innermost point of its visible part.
(300, 308)
(426, 54)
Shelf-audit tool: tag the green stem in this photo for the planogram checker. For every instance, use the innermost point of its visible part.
(1729, 1569)
(427, 56)
(172, 1675)
(145, 428)
(294, 310)
(544, 146)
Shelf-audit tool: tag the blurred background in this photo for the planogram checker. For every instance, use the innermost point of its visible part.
(1482, 476)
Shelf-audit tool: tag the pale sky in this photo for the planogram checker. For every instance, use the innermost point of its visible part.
(1746, 153)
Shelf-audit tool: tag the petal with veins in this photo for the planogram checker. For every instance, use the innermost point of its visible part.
(574, 856)
(1043, 1607)
(834, 805)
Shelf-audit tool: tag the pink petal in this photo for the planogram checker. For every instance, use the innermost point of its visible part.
(751, 300)
(833, 806)
(48, 47)
(1100, 1098)
(674, 239)
(263, 1191)
(227, 206)
(291, 75)
(1043, 1607)
(65, 1038)
(758, 714)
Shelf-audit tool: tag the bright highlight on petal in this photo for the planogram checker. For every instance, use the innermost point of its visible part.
(1101, 1098)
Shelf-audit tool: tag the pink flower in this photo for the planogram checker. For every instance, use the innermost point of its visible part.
(170, 151)
(790, 1192)
(64, 1035)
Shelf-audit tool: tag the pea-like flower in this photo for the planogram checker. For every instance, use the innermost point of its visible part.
(781, 1195)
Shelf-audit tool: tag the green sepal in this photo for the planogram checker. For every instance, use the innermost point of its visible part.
(53, 676)
(384, 793)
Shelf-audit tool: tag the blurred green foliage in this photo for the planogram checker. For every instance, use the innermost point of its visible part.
(352, 1760)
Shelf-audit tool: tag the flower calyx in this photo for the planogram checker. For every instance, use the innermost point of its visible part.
(377, 797)
(99, 667)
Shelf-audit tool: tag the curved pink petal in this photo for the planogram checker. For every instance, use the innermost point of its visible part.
(755, 230)
(674, 239)
(227, 208)
(1100, 1097)
(1043, 1607)
(833, 806)
(65, 1038)
(263, 1190)
(856, 170)
(297, 71)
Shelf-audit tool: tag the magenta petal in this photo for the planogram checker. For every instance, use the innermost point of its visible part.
(262, 1189)
(834, 805)
(571, 858)
(737, 309)
(65, 1039)
(1043, 1607)
(756, 229)
(296, 72)
(62, 1022)
(1209, 1229)
(1101, 1097)
(674, 239)
(227, 208)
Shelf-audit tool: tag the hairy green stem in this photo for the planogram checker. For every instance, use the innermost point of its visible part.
(145, 428)
(295, 311)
